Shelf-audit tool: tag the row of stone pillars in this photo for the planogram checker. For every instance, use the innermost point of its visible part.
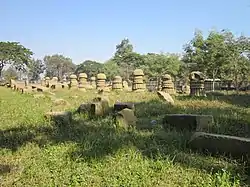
(165, 84)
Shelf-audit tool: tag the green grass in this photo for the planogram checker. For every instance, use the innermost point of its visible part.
(92, 152)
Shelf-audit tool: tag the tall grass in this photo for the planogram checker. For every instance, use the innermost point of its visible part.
(92, 152)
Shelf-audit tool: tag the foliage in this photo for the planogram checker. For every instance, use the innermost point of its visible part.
(220, 55)
(10, 73)
(58, 66)
(36, 67)
(159, 64)
(15, 54)
(111, 69)
(91, 68)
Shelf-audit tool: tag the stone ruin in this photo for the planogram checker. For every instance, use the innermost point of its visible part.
(125, 85)
(83, 81)
(197, 84)
(73, 81)
(93, 82)
(167, 84)
(138, 82)
(101, 81)
(159, 84)
(53, 83)
(47, 82)
(117, 83)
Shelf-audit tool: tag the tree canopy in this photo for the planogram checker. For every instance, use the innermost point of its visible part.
(220, 54)
(15, 54)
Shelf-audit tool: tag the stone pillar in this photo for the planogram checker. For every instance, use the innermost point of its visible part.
(138, 83)
(73, 81)
(101, 81)
(125, 85)
(197, 84)
(43, 82)
(93, 82)
(82, 81)
(47, 81)
(159, 84)
(167, 84)
(117, 83)
(53, 82)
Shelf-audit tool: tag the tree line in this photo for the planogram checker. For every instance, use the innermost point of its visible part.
(221, 55)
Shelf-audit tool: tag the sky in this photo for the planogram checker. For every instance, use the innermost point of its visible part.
(82, 29)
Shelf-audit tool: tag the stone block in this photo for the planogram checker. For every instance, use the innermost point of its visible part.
(223, 144)
(99, 106)
(125, 118)
(165, 97)
(188, 122)
(84, 108)
(120, 106)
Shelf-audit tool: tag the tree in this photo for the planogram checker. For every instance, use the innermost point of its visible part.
(111, 69)
(10, 73)
(36, 67)
(158, 64)
(237, 68)
(58, 65)
(15, 54)
(91, 68)
(122, 50)
(208, 54)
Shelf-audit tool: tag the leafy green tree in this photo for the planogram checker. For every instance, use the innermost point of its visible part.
(15, 54)
(158, 64)
(91, 68)
(208, 54)
(238, 61)
(122, 49)
(111, 69)
(10, 73)
(35, 68)
(58, 66)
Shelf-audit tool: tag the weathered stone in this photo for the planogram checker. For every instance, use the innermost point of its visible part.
(138, 82)
(188, 122)
(197, 84)
(185, 89)
(57, 102)
(159, 84)
(60, 117)
(167, 84)
(93, 82)
(83, 81)
(73, 81)
(84, 108)
(165, 97)
(120, 106)
(125, 118)
(47, 81)
(101, 81)
(99, 106)
(125, 85)
(224, 144)
(117, 83)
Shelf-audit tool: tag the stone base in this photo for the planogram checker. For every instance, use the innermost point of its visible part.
(223, 144)
(188, 122)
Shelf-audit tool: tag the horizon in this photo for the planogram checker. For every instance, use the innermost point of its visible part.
(90, 30)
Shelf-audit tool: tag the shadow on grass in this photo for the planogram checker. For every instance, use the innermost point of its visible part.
(97, 139)
(241, 100)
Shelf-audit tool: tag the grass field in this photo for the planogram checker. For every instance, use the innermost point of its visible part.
(91, 152)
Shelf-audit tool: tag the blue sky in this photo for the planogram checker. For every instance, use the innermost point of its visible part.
(83, 29)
